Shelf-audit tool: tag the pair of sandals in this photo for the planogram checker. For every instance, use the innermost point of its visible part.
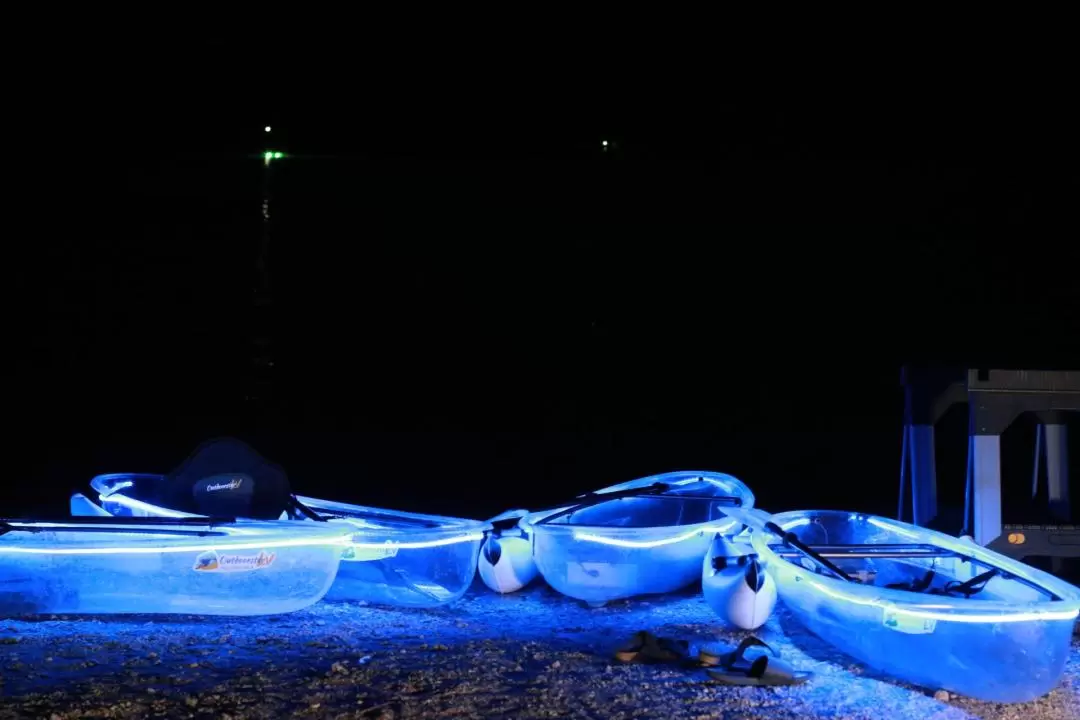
(726, 667)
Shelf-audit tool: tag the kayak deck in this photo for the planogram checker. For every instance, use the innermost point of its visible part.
(874, 572)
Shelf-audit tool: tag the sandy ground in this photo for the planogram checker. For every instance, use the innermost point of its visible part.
(535, 654)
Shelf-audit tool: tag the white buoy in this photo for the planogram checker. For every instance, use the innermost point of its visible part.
(506, 563)
(736, 585)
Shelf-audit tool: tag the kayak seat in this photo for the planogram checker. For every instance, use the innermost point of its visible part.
(225, 477)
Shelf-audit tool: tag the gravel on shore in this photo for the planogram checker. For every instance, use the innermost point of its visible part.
(534, 654)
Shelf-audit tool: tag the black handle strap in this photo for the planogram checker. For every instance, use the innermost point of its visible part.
(974, 585)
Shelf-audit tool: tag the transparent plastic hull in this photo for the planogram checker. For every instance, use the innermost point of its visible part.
(1008, 643)
(403, 559)
(109, 565)
(634, 545)
(394, 558)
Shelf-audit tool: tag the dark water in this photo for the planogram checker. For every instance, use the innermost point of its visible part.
(466, 336)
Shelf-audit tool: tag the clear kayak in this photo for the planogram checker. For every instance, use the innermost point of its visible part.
(162, 565)
(402, 559)
(392, 558)
(922, 606)
(641, 537)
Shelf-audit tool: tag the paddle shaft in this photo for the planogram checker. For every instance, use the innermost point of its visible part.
(792, 539)
(652, 491)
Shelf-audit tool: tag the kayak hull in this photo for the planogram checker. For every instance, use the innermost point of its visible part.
(394, 558)
(236, 569)
(1011, 647)
(585, 565)
(633, 545)
(403, 559)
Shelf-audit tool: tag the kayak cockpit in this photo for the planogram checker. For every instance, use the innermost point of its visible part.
(920, 568)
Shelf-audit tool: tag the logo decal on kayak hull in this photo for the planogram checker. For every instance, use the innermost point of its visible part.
(213, 561)
(908, 624)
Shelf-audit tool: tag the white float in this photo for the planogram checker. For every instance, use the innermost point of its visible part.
(506, 559)
(736, 585)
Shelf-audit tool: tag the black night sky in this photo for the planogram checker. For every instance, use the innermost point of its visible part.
(473, 304)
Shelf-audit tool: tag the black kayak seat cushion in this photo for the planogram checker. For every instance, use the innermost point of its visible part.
(226, 477)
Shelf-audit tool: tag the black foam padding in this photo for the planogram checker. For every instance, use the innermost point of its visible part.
(226, 477)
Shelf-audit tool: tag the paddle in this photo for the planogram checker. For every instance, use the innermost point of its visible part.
(793, 540)
(656, 490)
(121, 525)
(760, 520)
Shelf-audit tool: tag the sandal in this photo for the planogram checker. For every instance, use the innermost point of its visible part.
(766, 670)
(644, 647)
(710, 657)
